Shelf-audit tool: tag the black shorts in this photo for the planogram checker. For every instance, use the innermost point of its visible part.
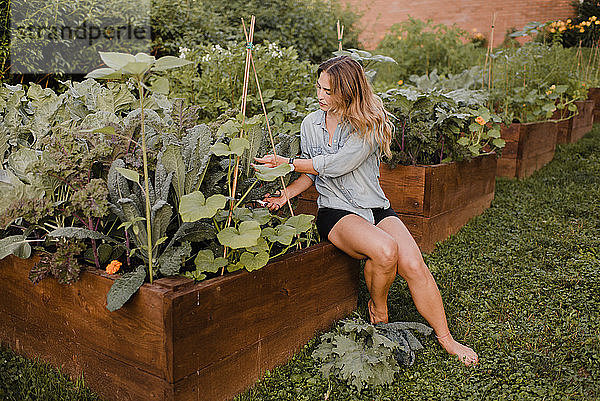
(327, 217)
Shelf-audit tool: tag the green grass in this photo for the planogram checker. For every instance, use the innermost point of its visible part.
(29, 380)
(521, 284)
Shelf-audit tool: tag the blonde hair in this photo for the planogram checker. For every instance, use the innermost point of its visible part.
(352, 98)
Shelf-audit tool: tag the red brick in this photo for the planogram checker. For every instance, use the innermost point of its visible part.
(380, 15)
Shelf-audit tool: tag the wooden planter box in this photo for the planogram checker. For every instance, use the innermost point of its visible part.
(594, 95)
(573, 129)
(433, 202)
(176, 339)
(528, 148)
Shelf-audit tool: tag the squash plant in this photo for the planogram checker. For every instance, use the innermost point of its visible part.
(185, 180)
(434, 127)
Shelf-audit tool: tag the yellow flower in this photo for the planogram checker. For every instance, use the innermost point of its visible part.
(569, 21)
(552, 30)
(548, 92)
(113, 267)
(399, 37)
(479, 120)
(561, 29)
(400, 82)
(597, 22)
(581, 30)
(553, 87)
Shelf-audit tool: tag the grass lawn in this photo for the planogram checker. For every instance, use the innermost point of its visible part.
(521, 284)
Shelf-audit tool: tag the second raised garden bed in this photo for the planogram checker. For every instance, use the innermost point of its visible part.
(528, 148)
(178, 340)
(435, 201)
(573, 129)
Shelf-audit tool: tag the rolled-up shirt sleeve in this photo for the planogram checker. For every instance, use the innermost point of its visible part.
(304, 146)
(354, 152)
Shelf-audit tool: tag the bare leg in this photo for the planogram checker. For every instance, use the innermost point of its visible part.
(423, 288)
(361, 239)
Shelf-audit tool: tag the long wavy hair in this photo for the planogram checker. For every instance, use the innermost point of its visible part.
(352, 98)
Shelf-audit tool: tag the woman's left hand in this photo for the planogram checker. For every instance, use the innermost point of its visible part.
(271, 160)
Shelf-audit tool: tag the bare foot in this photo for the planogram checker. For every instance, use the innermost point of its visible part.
(453, 347)
(375, 315)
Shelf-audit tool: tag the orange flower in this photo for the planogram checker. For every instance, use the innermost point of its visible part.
(400, 82)
(479, 120)
(113, 267)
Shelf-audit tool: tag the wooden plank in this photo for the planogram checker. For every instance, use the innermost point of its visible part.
(540, 139)
(110, 377)
(454, 185)
(404, 186)
(213, 383)
(442, 226)
(507, 167)
(536, 145)
(527, 167)
(133, 334)
(209, 316)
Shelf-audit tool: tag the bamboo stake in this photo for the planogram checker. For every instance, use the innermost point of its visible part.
(340, 34)
(262, 102)
(243, 111)
(490, 50)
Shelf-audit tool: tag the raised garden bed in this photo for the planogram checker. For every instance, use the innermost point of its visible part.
(528, 148)
(594, 95)
(434, 201)
(575, 128)
(176, 339)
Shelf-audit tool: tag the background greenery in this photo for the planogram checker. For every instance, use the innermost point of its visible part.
(520, 283)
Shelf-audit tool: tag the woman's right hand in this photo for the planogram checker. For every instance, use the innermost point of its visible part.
(275, 202)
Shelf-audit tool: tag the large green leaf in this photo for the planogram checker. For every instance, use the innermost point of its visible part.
(282, 234)
(235, 147)
(262, 215)
(168, 62)
(245, 236)
(79, 233)
(254, 261)
(15, 245)
(105, 73)
(172, 159)
(124, 287)
(194, 206)
(116, 60)
(230, 128)
(131, 175)
(205, 261)
(301, 222)
(173, 258)
(265, 173)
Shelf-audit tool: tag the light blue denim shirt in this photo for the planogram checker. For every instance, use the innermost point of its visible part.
(348, 169)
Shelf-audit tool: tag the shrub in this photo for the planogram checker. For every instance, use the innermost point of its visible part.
(216, 77)
(308, 25)
(420, 47)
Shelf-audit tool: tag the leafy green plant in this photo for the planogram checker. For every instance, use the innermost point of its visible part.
(215, 80)
(432, 127)
(308, 26)
(419, 47)
(140, 68)
(364, 355)
(532, 82)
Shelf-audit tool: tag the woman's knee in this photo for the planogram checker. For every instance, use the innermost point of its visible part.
(386, 254)
(413, 268)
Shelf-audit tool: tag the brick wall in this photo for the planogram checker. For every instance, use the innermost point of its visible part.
(379, 15)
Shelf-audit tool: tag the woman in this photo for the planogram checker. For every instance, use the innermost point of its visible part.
(341, 145)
